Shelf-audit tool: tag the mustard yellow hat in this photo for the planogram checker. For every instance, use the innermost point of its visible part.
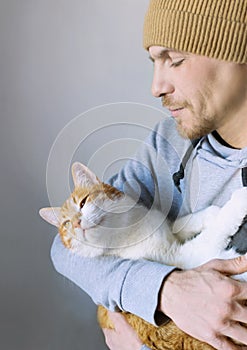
(213, 28)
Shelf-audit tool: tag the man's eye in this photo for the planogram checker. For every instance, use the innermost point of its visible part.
(177, 63)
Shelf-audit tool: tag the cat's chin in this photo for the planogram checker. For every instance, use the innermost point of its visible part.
(80, 235)
(83, 235)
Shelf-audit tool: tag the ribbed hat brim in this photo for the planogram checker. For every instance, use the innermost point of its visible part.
(182, 25)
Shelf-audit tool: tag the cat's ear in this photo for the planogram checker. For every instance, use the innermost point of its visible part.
(82, 176)
(51, 215)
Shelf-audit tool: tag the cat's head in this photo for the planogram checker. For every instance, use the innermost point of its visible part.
(92, 208)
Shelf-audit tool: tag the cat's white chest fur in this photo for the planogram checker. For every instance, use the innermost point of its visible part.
(131, 231)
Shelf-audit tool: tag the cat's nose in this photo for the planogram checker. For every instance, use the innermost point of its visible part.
(77, 223)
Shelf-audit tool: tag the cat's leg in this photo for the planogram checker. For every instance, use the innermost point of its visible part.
(228, 220)
(232, 214)
(190, 225)
(213, 240)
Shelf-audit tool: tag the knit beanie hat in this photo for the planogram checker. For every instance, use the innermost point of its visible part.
(213, 28)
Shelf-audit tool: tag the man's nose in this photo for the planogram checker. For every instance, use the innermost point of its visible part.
(161, 84)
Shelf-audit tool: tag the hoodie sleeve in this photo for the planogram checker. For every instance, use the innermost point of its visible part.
(117, 284)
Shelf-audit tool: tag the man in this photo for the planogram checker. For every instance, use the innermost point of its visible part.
(199, 52)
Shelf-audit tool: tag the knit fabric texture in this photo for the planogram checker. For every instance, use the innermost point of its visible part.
(213, 28)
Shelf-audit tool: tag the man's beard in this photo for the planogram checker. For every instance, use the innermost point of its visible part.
(196, 130)
(200, 125)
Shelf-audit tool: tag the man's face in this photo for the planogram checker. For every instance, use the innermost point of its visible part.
(202, 94)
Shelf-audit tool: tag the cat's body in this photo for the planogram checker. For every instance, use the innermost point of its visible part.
(98, 220)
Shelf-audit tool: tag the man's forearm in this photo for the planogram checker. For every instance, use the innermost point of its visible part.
(129, 285)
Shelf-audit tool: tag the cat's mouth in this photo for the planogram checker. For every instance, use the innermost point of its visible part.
(80, 234)
(84, 234)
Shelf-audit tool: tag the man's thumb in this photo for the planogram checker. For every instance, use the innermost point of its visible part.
(231, 266)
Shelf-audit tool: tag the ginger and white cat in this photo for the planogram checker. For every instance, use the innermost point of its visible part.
(97, 219)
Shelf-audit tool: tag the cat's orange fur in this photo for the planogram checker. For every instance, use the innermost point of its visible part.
(166, 337)
(69, 213)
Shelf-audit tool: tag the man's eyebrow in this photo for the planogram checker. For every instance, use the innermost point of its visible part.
(166, 51)
(161, 54)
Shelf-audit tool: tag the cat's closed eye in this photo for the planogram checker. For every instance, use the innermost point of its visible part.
(67, 224)
(82, 202)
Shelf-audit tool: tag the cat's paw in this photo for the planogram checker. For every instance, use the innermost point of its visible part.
(234, 211)
(240, 195)
(238, 201)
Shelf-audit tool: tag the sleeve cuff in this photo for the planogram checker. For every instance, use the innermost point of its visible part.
(141, 288)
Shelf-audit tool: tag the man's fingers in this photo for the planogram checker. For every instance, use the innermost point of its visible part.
(229, 267)
(118, 319)
(108, 337)
(237, 331)
(123, 337)
(239, 313)
(223, 343)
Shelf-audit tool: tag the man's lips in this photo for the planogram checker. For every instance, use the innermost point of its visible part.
(175, 111)
(171, 109)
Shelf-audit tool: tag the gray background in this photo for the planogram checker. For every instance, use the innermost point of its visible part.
(59, 58)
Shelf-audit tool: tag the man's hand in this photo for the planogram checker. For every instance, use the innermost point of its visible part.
(123, 337)
(207, 304)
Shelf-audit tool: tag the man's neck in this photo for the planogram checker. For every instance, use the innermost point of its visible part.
(234, 132)
(221, 140)
(237, 142)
